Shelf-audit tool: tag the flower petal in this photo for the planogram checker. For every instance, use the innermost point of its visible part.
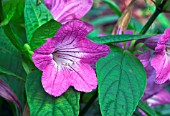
(41, 61)
(151, 42)
(46, 48)
(145, 57)
(65, 10)
(83, 77)
(161, 59)
(7, 93)
(163, 97)
(43, 55)
(92, 51)
(161, 63)
(55, 79)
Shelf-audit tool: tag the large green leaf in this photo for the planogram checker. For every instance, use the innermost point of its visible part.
(35, 15)
(11, 67)
(118, 38)
(145, 108)
(43, 104)
(121, 82)
(47, 30)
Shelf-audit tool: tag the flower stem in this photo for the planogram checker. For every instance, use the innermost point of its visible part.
(153, 17)
(87, 106)
(150, 21)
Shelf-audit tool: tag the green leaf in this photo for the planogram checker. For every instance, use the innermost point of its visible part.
(11, 10)
(8, 8)
(121, 82)
(47, 30)
(7, 72)
(11, 67)
(117, 38)
(12, 35)
(43, 104)
(166, 7)
(145, 108)
(35, 16)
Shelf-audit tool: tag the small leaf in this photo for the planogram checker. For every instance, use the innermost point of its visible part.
(145, 108)
(35, 16)
(8, 94)
(121, 82)
(42, 104)
(117, 38)
(47, 30)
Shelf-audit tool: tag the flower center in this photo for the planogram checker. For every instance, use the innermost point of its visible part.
(63, 59)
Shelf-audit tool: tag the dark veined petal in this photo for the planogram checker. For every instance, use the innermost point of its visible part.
(66, 10)
(83, 77)
(55, 79)
(43, 55)
(73, 43)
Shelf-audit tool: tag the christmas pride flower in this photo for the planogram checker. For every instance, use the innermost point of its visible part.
(161, 59)
(65, 59)
(66, 10)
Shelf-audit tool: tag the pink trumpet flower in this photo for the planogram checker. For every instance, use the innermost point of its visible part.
(65, 59)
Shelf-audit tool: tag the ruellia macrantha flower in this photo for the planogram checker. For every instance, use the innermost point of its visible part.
(65, 59)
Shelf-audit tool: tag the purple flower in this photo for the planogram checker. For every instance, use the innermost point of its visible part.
(161, 59)
(151, 87)
(162, 97)
(154, 93)
(65, 10)
(65, 59)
